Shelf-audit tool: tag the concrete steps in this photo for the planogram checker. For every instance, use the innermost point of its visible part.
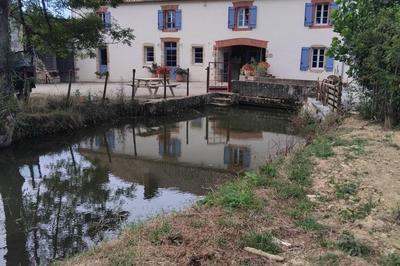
(222, 100)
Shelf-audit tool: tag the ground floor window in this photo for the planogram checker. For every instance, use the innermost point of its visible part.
(103, 60)
(170, 54)
(318, 58)
(197, 55)
(149, 54)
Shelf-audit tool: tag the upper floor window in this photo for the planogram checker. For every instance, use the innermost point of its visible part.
(318, 13)
(105, 17)
(242, 16)
(170, 18)
(321, 14)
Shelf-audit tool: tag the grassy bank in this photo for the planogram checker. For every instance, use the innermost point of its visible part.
(290, 207)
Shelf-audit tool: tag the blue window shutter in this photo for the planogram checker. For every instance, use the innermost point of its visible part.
(160, 20)
(308, 15)
(231, 17)
(107, 19)
(227, 156)
(305, 59)
(329, 64)
(178, 19)
(253, 17)
(333, 8)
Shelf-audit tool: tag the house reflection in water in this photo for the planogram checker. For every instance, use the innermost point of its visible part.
(236, 156)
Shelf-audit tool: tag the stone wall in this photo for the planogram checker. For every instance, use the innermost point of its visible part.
(280, 89)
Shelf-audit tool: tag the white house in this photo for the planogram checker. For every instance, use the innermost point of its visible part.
(291, 35)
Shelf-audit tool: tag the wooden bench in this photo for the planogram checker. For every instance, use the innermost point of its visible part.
(170, 86)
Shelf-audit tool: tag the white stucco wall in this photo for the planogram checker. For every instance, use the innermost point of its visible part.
(280, 22)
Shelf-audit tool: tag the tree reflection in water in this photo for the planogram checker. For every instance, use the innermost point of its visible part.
(67, 209)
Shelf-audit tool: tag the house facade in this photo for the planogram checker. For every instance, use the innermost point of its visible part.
(291, 35)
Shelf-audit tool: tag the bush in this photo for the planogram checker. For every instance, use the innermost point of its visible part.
(351, 246)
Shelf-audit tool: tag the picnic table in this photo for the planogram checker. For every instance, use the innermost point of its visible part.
(153, 84)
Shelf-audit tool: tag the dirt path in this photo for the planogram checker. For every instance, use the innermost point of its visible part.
(336, 203)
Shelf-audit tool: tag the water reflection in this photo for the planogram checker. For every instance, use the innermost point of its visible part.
(59, 197)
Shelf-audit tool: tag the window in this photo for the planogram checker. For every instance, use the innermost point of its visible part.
(148, 54)
(197, 53)
(318, 58)
(105, 19)
(321, 14)
(170, 19)
(243, 17)
(102, 16)
(170, 54)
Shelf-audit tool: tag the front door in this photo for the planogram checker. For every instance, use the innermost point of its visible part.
(171, 58)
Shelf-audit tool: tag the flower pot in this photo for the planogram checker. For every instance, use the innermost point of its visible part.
(180, 78)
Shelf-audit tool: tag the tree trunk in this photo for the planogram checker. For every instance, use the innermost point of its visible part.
(5, 77)
(389, 111)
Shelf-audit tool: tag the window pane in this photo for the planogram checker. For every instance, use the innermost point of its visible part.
(198, 55)
(170, 53)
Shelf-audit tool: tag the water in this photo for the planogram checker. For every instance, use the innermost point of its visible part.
(62, 195)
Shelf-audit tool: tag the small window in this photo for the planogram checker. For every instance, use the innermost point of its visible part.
(197, 55)
(321, 14)
(102, 16)
(243, 17)
(149, 54)
(170, 19)
(318, 58)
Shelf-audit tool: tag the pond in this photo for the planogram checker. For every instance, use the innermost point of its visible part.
(62, 195)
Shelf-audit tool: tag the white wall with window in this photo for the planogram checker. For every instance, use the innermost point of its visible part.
(283, 24)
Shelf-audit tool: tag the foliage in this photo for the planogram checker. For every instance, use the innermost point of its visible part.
(156, 235)
(369, 43)
(237, 194)
(8, 106)
(263, 241)
(351, 246)
(181, 71)
(152, 69)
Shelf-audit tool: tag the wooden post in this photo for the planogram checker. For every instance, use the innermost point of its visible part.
(133, 84)
(105, 87)
(69, 88)
(187, 82)
(208, 77)
(165, 84)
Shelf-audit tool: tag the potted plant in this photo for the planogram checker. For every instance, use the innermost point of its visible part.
(152, 69)
(248, 70)
(181, 74)
(262, 69)
(161, 70)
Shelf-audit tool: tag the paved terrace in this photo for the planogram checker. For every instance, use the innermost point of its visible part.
(114, 90)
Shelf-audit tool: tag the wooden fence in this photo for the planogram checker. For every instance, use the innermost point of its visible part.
(329, 92)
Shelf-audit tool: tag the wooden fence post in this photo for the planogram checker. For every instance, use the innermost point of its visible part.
(208, 78)
(187, 82)
(105, 87)
(165, 84)
(133, 84)
(69, 88)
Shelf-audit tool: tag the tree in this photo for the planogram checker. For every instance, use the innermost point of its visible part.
(369, 43)
(60, 27)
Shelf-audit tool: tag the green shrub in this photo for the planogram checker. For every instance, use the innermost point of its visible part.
(263, 241)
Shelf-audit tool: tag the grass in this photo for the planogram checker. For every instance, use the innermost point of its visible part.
(263, 241)
(359, 213)
(392, 259)
(328, 259)
(310, 224)
(345, 190)
(157, 234)
(236, 194)
(351, 246)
